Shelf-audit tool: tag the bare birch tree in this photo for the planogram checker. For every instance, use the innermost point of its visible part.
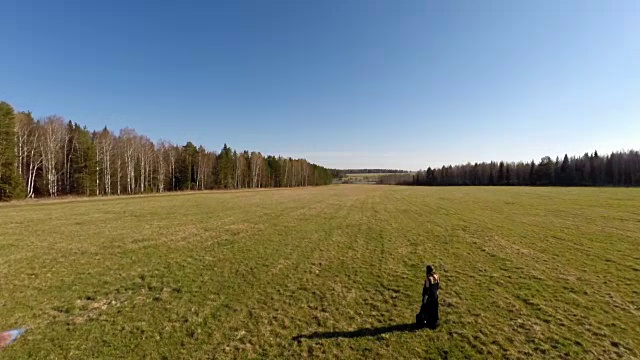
(256, 167)
(162, 155)
(129, 142)
(25, 126)
(33, 158)
(54, 135)
(104, 144)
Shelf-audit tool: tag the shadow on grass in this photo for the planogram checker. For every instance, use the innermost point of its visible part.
(366, 332)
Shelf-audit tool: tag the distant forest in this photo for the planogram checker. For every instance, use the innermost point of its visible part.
(340, 173)
(616, 169)
(53, 156)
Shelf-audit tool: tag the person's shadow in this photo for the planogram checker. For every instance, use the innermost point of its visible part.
(365, 332)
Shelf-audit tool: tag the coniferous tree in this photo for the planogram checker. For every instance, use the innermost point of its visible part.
(186, 179)
(501, 175)
(82, 163)
(595, 168)
(225, 168)
(10, 185)
(555, 175)
(532, 173)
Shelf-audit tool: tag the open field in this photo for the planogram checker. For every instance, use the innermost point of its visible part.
(366, 177)
(329, 271)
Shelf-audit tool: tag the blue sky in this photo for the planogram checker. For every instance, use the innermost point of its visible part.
(365, 83)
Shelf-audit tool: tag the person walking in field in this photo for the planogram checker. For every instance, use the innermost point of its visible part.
(429, 316)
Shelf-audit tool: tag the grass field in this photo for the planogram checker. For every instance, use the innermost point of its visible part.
(368, 175)
(324, 272)
(365, 177)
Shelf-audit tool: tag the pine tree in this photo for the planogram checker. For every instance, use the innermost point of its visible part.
(491, 176)
(225, 168)
(11, 186)
(595, 168)
(532, 173)
(501, 173)
(186, 167)
(545, 171)
(83, 170)
(555, 175)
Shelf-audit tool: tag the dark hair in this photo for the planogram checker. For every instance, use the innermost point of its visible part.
(429, 269)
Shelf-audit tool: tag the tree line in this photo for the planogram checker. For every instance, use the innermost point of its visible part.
(340, 173)
(53, 157)
(616, 169)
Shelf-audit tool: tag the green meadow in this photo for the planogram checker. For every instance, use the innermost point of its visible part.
(332, 271)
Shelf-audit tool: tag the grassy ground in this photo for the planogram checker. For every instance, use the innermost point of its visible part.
(365, 177)
(331, 271)
(368, 175)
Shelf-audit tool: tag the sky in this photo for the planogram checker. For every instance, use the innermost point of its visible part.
(344, 83)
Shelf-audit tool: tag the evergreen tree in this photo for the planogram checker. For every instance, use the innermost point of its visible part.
(492, 180)
(83, 162)
(501, 176)
(275, 171)
(555, 175)
(11, 186)
(532, 173)
(545, 171)
(186, 174)
(595, 168)
(569, 173)
(225, 168)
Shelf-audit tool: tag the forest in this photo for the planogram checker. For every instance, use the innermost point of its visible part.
(340, 173)
(52, 157)
(616, 169)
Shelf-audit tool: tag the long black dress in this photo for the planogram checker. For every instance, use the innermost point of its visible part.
(429, 315)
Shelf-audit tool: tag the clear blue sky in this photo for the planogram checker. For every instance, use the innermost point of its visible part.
(366, 83)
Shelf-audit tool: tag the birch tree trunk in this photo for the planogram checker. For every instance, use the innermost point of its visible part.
(35, 159)
(54, 133)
